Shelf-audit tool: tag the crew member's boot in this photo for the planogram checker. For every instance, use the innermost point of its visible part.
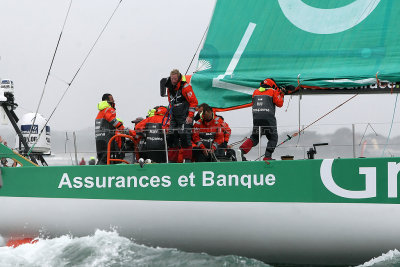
(245, 148)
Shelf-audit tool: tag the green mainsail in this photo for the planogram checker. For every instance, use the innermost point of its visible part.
(326, 44)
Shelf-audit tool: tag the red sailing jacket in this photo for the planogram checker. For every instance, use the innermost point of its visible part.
(225, 128)
(277, 95)
(187, 93)
(208, 134)
(108, 113)
(157, 118)
(107, 124)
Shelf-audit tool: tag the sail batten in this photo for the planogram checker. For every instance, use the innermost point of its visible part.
(248, 41)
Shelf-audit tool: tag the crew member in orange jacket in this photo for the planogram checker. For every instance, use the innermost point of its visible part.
(106, 124)
(265, 99)
(225, 150)
(207, 135)
(224, 147)
(152, 129)
(183, 103)
(225, 126)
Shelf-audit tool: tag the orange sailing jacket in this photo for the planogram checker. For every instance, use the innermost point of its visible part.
(108, 113)
(183, 88)
(208, 134)
(107, 120)
(157, 118)
(276, 95)
(225, 128)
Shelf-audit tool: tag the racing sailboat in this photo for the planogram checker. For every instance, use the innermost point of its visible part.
(330, 211)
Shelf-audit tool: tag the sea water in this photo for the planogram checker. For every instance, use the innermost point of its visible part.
(107, 248)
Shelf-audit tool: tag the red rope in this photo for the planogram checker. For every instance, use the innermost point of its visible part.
(378, 83)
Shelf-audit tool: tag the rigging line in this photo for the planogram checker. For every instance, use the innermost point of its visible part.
(201, 41)
(60, 79)
(238, 142)
(298, 139)
(362, 138)
(80, 67)
(66, 141)
(326, 114)
(368, 125)
(300, 97)
(48, 73)
(391, 125)
(91, 49)
(373, 129)
(288, 104)
(309, 125)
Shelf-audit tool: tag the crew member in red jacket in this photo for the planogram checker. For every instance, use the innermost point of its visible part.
(265, 99)
(224, 147)
(152, 130)
(183, 103)
(207, 136)
(225, 126)
(106, 124)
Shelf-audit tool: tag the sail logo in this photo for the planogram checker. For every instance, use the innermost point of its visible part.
(326, 21)
(370, 181)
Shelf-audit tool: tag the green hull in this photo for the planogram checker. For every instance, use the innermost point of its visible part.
(372, 180)
(327, 212)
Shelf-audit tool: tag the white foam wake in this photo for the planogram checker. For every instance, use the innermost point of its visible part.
(94, 250)
(107, 248)
(391, 258)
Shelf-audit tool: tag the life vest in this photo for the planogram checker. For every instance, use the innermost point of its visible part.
(153, 129)
(179, 104)
(208, 133)
(207, 138)
(263, 103)
(154, 136)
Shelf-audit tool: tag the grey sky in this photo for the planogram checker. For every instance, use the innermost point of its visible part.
(144, 41)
